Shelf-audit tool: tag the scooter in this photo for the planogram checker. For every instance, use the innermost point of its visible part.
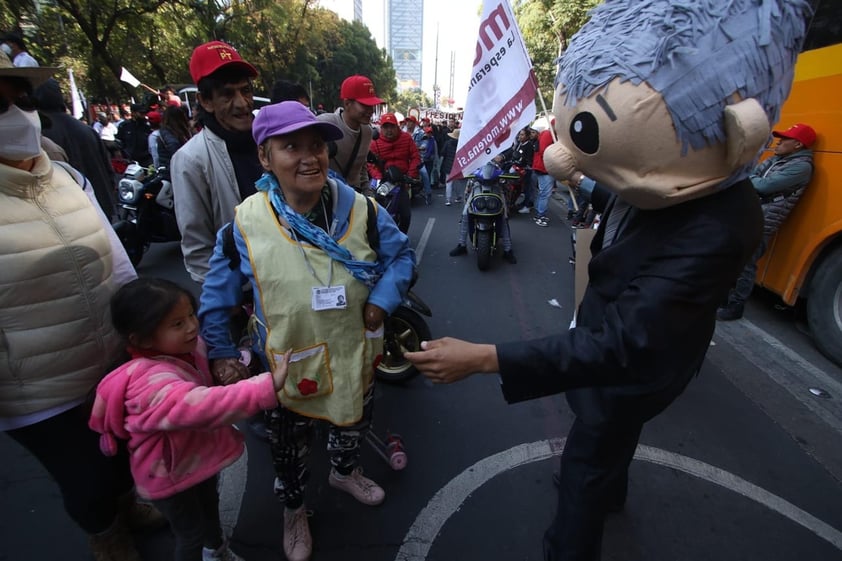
(403, 331)
(392, 188)
(486, 211)
(145, 211)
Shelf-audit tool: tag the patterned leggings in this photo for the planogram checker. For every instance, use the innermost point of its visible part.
(290, 437)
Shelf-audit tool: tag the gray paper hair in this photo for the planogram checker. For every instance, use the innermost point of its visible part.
(700, 55)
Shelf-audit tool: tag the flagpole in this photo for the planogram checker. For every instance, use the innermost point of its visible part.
(555, 139)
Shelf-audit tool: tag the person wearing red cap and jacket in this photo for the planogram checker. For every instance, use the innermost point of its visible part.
(396, 148)
(354, 120)
(779, 181)
(217, 168)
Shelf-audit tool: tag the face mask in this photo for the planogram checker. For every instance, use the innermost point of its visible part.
(20, 134)
(6, 49)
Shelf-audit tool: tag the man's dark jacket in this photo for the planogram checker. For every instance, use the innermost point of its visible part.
(85, 150)
(648, 313)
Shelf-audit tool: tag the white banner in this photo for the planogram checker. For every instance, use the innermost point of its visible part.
(126, 76)
(78, 109)
(501, 96)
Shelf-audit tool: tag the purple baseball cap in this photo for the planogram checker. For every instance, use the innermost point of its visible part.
(287, 117)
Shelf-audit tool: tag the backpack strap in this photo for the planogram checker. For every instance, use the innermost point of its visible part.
(371, 230)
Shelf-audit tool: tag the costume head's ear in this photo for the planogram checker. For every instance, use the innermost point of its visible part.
(746, 130)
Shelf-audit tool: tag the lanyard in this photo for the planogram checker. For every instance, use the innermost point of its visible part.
(304, 253)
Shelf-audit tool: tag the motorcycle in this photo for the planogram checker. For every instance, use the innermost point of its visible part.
(389, 191)
(513, 187)
(145, 211)
(403, 331)
(486, 211)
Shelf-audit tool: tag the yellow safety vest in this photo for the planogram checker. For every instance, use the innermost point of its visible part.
(333, 356)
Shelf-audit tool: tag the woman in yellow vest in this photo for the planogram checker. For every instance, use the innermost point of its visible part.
(327, 266)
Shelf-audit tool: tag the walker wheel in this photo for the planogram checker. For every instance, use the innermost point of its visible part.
(398, 460)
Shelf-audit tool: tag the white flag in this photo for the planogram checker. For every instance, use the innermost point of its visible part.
(126, 76)
(501, 96)
(74, 95)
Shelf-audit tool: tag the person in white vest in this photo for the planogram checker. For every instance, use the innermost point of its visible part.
(327, 265)
(62, 263)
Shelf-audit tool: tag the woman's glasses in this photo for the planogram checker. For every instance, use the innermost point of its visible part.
(24, 102)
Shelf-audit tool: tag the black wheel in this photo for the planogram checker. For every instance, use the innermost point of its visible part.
(131, 239)
(483, 249)
(404, 331)
(824, 306)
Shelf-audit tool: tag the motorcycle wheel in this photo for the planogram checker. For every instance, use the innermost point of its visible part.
(483, 249)
(403, 331)
(131, 239)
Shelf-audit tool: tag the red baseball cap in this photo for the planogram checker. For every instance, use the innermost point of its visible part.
(359, 88)
(210, 57)
(412, 118)
(388, 119)
(800, 132)
(154, 117)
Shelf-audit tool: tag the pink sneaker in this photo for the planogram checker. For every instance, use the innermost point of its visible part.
(298, 543)
(361, 488)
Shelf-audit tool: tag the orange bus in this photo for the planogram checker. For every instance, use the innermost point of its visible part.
(804, 259)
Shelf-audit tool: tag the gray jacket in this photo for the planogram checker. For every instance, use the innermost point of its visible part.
(780, 181)
(206, 192)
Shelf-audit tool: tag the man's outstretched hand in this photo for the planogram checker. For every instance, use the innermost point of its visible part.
(449, 360)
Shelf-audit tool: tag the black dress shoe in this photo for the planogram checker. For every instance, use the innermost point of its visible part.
(458, 250)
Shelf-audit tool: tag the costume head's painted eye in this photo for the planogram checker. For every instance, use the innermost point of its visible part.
(584, 131)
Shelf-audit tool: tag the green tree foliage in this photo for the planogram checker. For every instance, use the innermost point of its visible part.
(290, 39)
(547, 26)
(408, 99)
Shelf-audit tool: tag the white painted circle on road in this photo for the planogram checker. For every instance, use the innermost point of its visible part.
(423, 532)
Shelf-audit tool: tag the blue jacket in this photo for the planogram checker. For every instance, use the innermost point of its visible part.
(222, 290)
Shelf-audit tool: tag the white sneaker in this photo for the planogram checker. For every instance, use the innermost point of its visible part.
(524, 210)
(361, 488)
(298, 543)
(224, 553)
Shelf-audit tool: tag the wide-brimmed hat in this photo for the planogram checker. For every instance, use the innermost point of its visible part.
(454, 134)
(36, 75)
(287, 117)
(207, 58)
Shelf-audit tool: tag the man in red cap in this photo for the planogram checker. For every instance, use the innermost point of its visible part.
(217, 168)
(354, 119)
(396, 148)
(780, 182)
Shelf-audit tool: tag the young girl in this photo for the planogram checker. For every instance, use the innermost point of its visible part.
(176, 422)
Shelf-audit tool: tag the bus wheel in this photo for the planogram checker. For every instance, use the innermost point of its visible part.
(824, 306)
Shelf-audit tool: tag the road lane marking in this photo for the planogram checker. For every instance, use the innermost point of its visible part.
(787, 368)
(447, 501)
(422, 243)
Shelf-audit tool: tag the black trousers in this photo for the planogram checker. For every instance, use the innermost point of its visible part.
(90, 482)
(404, 207)
(193, 515)
(594, 469)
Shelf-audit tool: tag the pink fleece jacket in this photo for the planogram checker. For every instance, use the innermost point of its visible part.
(178, 428)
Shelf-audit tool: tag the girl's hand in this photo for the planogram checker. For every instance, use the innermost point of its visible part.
(373, 317)
(279, 375)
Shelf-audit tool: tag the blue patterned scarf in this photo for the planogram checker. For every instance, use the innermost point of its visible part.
(364, 271)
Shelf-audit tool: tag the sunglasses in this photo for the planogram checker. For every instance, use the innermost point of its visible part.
(24, 102)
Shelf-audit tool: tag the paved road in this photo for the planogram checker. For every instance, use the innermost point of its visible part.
(746, 465)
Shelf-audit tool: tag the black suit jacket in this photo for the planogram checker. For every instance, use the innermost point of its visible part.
(648, 313)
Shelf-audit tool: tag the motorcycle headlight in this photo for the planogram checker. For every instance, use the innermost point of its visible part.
(492, 204)
(128, 190)
(481, 203)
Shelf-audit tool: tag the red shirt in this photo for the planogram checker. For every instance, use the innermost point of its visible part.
(545, 138)
(400, 152)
